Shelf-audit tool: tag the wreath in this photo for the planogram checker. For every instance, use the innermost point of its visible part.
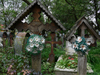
(35, 44)
(81, 45)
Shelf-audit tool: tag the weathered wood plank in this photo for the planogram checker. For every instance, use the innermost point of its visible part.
(82, 65)
(36, 62)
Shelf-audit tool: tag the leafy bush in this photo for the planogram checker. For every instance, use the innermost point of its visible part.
(68, 62)
(11, 64)
(58, 52)
(45, 54)
(47, 68)
(94, 58)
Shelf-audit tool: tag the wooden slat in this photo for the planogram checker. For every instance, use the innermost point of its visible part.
(82, 65)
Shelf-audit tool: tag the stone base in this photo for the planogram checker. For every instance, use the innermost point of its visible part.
(66, 71)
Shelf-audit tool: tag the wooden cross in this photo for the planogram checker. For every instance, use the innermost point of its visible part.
(52, 42)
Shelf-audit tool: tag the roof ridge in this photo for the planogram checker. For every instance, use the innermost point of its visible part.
(78, 23)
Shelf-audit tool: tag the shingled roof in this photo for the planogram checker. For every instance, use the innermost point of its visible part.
(78, 24)
(28, 10)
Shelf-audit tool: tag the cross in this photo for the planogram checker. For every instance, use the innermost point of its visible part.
(52, 42)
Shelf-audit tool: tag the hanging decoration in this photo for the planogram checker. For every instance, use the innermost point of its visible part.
(35, 44)
(81, 45)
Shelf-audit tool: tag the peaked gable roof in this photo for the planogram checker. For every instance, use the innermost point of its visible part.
(78, 24)
(28, 10)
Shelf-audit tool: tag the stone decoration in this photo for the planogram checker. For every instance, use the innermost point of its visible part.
(18, 42)
(69, 49)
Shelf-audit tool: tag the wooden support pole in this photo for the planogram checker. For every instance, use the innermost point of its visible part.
(36, 62)
(82, 64)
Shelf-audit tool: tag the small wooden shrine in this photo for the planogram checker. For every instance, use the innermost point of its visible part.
(36, 26)
(83, 28)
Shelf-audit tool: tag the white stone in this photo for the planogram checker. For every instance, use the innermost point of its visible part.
(69, 49)
(18, 43)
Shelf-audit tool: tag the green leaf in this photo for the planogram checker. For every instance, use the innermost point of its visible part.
(18, 73)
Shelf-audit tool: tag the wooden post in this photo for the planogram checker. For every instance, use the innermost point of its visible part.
(82, 64)
(82, 60)
(36, 62)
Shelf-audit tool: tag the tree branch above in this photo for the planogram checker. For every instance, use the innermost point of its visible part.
(26, 1)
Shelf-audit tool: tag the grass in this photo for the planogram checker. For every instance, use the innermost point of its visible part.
(94, 59)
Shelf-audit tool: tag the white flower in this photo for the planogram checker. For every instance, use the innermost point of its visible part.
(79, 39)
(37, 38)
(31, 40)
(28, 48)
(41, 48)
(43, 40)
(75, 45)
(37, 45)
(31, 45)
(83, 47)
(34, 51)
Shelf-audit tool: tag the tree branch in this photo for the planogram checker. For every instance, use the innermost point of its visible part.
(73, 9)
(69, 3)
(26, 1)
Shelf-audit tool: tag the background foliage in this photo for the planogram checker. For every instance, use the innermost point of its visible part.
(66, 11)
